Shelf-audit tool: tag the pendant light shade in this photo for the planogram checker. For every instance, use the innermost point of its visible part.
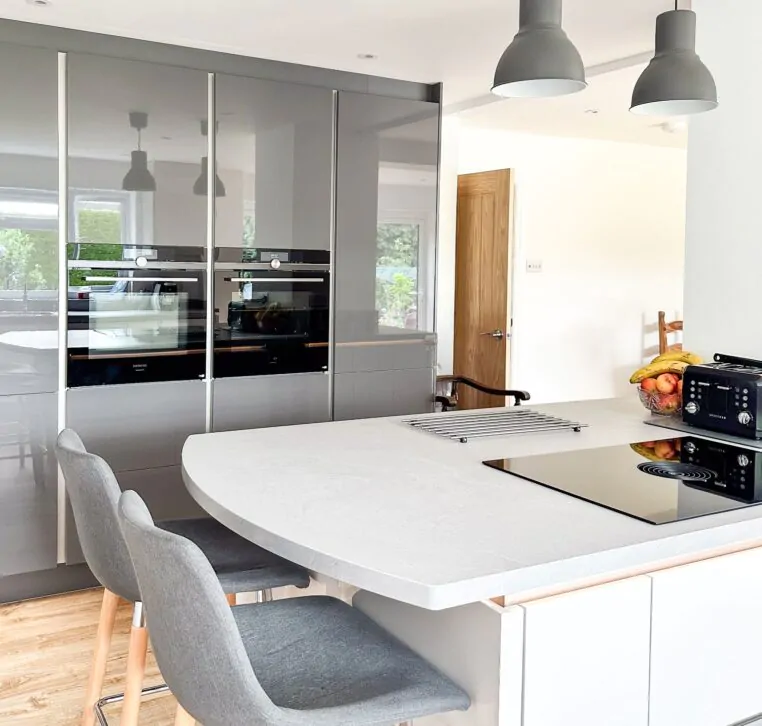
(139, 178)
(541, 61)
(200, 188)
(676, 82)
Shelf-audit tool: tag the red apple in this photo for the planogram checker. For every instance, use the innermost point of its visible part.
(666, 383)
(648, 385)
(680, 388)
(669, 403)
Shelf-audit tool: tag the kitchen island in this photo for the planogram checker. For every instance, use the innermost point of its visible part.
(548, 609)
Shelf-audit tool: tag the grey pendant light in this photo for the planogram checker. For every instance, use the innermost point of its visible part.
(541, 61)
(676, 82)
(138, 178)
(201, 188)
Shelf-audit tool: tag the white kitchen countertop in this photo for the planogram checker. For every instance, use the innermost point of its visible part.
(420, 519)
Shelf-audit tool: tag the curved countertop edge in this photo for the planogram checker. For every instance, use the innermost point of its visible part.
(518, 585)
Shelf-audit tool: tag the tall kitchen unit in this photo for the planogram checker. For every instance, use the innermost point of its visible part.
(386, 217)
(28, 310)
(273, 253)
(137, 272)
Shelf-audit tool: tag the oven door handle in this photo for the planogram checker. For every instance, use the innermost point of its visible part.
(141, 279)
(274, 279)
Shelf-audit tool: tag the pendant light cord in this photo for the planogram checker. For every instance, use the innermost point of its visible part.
(139, 147)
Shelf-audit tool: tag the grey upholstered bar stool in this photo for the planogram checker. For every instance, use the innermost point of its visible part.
(239, 566)
(305, 661)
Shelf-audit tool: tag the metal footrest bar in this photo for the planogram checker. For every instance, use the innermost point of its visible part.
(119, 697)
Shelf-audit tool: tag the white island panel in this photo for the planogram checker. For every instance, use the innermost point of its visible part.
(706, 642)
(586, 657)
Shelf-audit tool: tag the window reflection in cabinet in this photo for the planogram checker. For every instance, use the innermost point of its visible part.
(274, 156)
(136, 151)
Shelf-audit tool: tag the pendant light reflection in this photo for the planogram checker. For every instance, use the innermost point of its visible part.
(200, 188)
(676, 82)
(139, 178)
(541, 61)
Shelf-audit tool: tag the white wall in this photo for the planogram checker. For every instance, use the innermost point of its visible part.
(607, 222)
(723, 239)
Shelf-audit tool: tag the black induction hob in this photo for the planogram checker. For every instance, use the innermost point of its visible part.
(655, 482)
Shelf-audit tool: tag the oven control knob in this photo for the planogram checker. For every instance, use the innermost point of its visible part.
(691, 407)
(743, 460)
(745, 418)
(690, 447)
(275, 263)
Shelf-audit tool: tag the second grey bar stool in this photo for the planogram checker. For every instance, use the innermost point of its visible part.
(238, 565)
(304, 661)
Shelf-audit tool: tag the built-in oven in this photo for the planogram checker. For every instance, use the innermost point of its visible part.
(272, 311)
(135, 314)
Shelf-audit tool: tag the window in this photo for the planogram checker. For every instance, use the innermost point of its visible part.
(28, 240)
(399, 267)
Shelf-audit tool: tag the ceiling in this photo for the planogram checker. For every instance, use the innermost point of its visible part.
(599, 112)
(455, 41)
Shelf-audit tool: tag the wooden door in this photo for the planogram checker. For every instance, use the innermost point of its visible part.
(482, 315)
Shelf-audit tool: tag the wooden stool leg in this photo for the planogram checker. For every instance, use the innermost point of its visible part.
(100, 656)
(136, 666)
(183, 718)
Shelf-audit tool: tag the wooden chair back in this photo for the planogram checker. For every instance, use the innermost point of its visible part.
(665, 329)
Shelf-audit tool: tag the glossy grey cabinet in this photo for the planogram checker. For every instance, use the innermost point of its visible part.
(28, 483)
(136, 151)
(28, 220)
(383, 393)
(140, 430)
(249, 403)
(386, 203)
(274, 157)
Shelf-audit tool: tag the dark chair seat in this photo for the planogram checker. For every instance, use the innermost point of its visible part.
(240, 565)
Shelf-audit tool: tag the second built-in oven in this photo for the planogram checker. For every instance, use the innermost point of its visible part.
(135, 314)
(272, 311)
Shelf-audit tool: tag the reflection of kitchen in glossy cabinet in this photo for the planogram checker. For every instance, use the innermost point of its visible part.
(28, 221)
(386, 196)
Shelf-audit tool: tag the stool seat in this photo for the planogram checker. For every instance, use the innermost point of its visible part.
(240, 565)
(333, 664)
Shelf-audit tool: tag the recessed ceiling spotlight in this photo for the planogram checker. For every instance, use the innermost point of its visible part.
(39, 3)
(367, 56)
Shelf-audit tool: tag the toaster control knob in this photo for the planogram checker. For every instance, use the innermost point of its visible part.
(743, 460)
(745, 418)
(691, 407)
(690, 447)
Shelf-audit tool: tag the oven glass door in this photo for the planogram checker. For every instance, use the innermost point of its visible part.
(132, 324)
(269, 322)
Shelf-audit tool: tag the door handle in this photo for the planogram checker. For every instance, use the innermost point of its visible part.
(497, 334)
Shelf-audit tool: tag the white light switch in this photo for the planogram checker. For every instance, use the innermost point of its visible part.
(534, 265)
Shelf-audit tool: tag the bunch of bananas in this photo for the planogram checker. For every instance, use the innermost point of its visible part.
(673, 362)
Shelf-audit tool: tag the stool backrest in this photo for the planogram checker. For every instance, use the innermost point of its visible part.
(195, 638)
(94, 494)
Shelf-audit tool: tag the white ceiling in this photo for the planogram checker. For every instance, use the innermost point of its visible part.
(599, 112)
(455, 41)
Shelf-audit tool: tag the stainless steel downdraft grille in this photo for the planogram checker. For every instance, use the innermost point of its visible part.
(510, 422)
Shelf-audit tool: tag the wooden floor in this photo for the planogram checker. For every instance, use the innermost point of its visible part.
(45, 651)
